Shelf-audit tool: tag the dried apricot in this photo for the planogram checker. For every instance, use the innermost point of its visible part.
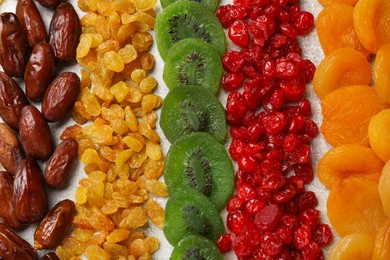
(342, 67)
(332, 2)
(347, 113)
(382, 242)
(371, 19)
(335, 29)
(353, 247)
(378, 134)
(354, 206)
(383, 188)
(381, 73)
(346, 161)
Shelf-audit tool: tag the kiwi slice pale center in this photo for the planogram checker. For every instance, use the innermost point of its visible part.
(190, 71)
(198, 171)
(183, 26)
(193, 254)
(195, 119)
(197, 222)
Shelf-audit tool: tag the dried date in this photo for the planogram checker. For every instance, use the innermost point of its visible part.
(7, 210)
(54, 226)
(35, 134)
(13, 247)
(12, 100)
(32, 22)
(59, 165)
(10, 149)
(40, 71)
(13, 45)
(64, 32)
(60, 96)
(29, 192)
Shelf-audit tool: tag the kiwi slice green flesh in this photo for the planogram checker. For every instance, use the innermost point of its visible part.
(211, 4)
(196, 247)
(189, 212)
(193, 62)
(191, 109)
(198, 161)
(187, 19)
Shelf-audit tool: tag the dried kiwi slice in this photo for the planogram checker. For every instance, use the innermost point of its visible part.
(212, 4)
(187, 19)
(196, 247)
(191, 109)
(198, 161)
(193, 62)
(189, 212)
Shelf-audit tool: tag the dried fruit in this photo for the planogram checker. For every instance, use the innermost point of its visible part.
(13, 45)
(347, 161)
(14, 247)
(54, 226)
(11, 152)
(7, 212)
(12, 100)
(360, 213)
(59, 164)
(340, 110)
(342, 67)
(29, 192)
(35, 133)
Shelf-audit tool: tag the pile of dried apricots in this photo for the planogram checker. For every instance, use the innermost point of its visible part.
(356, 121)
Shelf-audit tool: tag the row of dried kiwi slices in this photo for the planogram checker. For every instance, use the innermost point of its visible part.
(198, 171)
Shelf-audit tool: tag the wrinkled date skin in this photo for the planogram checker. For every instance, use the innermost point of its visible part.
(51, 4)
(40, 71)
(13, 45)
(7, 211)
(29, 192)
(12, 100)
(35, 134)
(11, 152)
(54, 226)
(59, 165)
(64, 32)
(13, 247)
(32, 22)
(60, 96)
(49, 256)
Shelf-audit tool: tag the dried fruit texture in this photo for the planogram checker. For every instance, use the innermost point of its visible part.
(354, 246)
(336, 30)
(381, 73)
(354, 206)
(383, 188)
(371, 19)
(343, 67)
(347, 161)
(378, 130)
(382, 242)
(332, 2)
(347, 113)
(119, 145)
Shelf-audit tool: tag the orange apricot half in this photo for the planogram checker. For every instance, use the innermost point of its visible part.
(354, 206)
(350, 160)
(379, 134)
(371, 19)
(353, 247)
(342, 67)
(346, 114)
(381, 71)
(336, 30)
